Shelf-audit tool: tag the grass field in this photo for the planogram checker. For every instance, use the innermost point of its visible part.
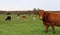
(24, 27)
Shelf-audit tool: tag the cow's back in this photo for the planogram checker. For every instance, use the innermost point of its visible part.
(54, 17)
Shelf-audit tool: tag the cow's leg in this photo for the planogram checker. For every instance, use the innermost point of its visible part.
(47, 29)
(47, 26)
(53, 29)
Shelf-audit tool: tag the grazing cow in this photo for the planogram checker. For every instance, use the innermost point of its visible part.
(8, 18)
(24, 17)
(17, 16)
(50, 18)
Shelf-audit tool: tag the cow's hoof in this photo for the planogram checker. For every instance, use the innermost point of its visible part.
(46, 31)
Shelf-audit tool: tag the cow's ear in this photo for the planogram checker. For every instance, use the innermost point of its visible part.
(46, 13)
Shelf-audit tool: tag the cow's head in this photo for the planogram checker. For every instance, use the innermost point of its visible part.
(41, 14)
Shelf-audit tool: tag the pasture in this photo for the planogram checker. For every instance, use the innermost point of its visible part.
(24, 27)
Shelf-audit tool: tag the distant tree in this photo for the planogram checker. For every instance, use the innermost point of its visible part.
(38, 9)
(34, 9)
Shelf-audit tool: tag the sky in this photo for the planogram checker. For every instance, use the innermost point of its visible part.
(29, 4)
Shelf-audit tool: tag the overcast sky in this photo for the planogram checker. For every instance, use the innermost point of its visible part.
(29, 4)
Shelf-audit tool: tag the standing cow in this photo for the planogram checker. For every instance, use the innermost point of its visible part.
(8, 17)
(51, 18)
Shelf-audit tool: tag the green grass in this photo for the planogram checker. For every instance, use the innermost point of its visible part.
(24, 27)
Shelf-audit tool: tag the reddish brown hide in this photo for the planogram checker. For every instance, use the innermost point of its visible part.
(24, 17)
(50, 18)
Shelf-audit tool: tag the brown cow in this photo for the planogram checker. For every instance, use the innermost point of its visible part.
(24, 17)
(50, 19)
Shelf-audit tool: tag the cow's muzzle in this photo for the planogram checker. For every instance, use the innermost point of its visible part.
(40, 18)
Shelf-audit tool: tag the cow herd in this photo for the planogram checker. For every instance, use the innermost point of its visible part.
(49, 18)
(24, 17)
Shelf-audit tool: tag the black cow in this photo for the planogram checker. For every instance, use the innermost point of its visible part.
(8, 18)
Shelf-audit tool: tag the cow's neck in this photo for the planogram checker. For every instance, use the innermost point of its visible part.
(45, 18)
